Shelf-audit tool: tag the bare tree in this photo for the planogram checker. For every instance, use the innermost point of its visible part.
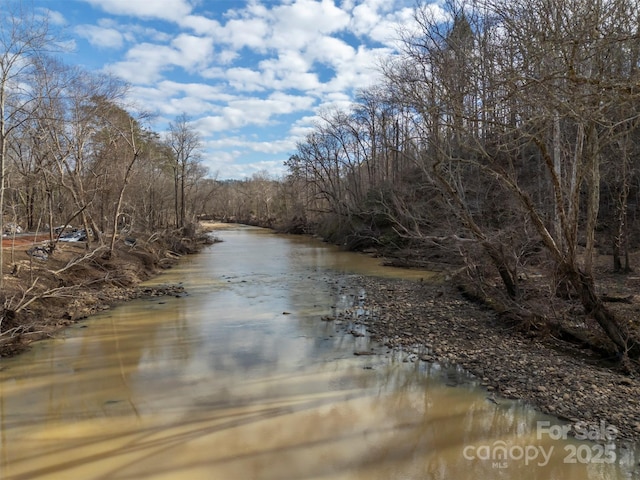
(121, 142)
(23, 38)
(185, 144)
(72, 115)
(540, 94)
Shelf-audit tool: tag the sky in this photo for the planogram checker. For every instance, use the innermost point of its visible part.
(252, 75)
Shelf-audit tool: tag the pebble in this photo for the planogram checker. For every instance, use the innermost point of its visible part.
(515, 364)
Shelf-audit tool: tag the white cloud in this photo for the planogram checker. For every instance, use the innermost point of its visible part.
(280, 146)
(303, 126)
(214, 123)
(270, 74)
(241, 79)
(404, 20)
(242, 112)
(365, 18)
(100, 37)
(171, 99)
(227, 56)
(192, 106)
(108, 33)
(332, 51)
(288, 61)
(199, 90)
(303, 20)
(53, 17)
(275, 168)
(227, 142)
(290, 70)
(252, 66)
(361, 72)
(284, 145)
(245, 33)
(195, 52)
(144, 63)
(231, 168)
(160, 9)
(381, 20)
(199, 24)
(223, 163)
(229, 165)
(260, 111)
(335, 101)
(291, 25)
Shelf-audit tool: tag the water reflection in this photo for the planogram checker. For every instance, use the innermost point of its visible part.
(241, 380)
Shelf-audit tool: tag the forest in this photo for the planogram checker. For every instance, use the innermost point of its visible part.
(501, 145)
(503, 141)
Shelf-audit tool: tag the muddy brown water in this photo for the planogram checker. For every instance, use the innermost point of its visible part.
(240, 379)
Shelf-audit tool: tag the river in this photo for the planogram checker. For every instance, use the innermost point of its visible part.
(239, 378)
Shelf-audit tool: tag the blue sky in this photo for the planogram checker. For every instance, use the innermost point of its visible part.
(252, 75)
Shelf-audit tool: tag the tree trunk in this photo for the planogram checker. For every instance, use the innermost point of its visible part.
(116, 212)
(593, 197)
(593, 306)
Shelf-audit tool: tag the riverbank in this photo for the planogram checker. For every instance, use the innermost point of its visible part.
(435, 323)
(44, 293)
(431, 322)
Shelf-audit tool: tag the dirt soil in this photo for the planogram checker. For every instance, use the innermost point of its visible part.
(44, 292)
(20, 240)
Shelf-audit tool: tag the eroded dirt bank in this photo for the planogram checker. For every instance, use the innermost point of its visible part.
(44, 293)
(434, 323)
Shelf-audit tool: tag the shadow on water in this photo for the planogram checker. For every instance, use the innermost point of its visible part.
(241, 379)
(209, 418)
(150, 442)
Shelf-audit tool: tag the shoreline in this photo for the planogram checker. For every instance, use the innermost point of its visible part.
(434, 322)
(75, 283)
